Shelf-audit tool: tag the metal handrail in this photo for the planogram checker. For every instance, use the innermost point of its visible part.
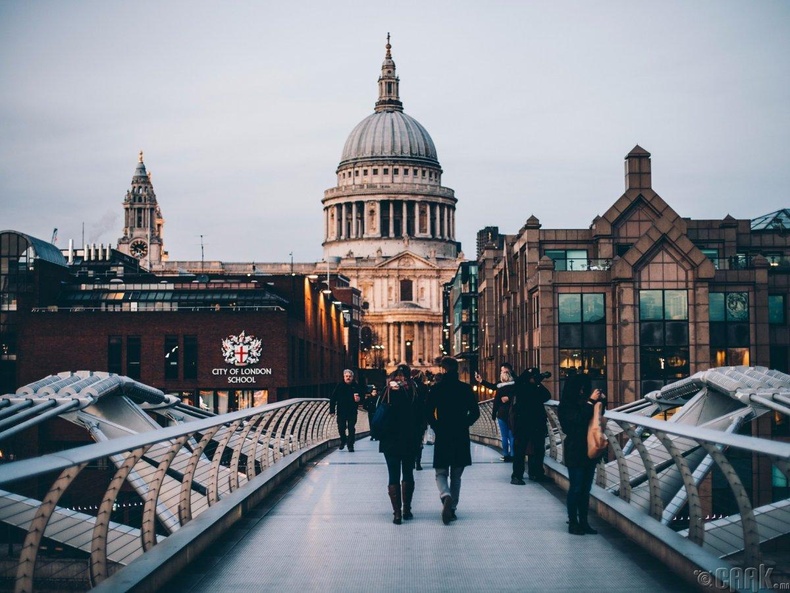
(653, 459)
(178, 472)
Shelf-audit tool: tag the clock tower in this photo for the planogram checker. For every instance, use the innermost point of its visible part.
(143, 222)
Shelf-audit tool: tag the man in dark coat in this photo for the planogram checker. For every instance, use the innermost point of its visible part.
(528, 421)
(452, 408)
(345, 399)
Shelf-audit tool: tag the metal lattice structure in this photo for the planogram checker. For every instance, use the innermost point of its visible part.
(667, 451)
(168, 476)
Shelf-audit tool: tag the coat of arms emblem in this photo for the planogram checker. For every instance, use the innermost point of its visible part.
(241, 350)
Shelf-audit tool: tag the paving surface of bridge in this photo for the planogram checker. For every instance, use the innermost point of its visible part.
(330, 529)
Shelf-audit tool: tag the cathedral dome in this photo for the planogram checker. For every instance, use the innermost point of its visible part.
(389, 134)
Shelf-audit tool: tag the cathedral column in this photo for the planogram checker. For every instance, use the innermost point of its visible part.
(390, 341)
(447, 222)
(343, 214)
(417, 341)
(405, 229)
(402, 342)
(354, 221)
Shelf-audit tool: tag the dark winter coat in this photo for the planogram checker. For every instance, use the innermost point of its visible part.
(574, 413)
(403, 434)
(342, 399)
(527, 413)
(452, 409)
(501, 410)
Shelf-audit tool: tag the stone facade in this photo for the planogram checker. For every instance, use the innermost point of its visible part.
(143, 223)
(390, 229)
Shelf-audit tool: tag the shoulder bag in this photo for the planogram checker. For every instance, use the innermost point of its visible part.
(596, 439)
(380, 420)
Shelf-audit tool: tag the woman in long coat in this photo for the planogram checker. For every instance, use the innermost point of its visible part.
(400, 440)
(575, 410)
(452, 409)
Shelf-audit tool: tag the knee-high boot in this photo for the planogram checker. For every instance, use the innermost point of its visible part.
(394, 491)
(407, 489)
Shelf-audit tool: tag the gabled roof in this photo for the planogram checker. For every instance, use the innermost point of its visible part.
(406, 257)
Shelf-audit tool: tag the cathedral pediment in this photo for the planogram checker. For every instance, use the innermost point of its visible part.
(407, 260)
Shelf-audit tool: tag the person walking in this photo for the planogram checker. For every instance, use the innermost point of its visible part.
(452, 409)
(369, 405)
(575, 411)
(528, 422)
(345, 399)
(418, 377)
(501, 407)
(400, 440)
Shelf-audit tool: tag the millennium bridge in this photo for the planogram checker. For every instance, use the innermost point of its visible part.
(171, 497)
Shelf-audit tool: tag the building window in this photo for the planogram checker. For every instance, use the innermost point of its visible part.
(405, 171)
(406, 293)
(364, 171)
(171, 358)
(423, 219)
(386, 171)
(776, 309)
(375, 171)
(114, 355)
(133, 351)
(622, 248)
(190, 357)
(582, 336)
(712, 255)
(356, 172)
(395, 171)
(414, 172)
(729, 328)
(568, 259)
(663, 337)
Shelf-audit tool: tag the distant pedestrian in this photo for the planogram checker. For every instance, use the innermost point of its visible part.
(400, 440)
(452, 409)
(369, 405)
(575, 411)
(345, 400)
(501, 407)
(528, 422)
(418, 377)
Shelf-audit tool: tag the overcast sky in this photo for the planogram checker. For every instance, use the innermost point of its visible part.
(242, 110)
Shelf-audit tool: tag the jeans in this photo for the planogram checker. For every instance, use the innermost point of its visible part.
(507, 437)
(580, 482)
(397, 464)
(448, 480)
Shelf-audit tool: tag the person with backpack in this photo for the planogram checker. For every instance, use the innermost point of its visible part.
(576, 408)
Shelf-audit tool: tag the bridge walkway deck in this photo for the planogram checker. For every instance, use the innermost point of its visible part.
(330, 530)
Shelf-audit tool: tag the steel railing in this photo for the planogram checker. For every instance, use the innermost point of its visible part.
(82, 514)
(663, 471)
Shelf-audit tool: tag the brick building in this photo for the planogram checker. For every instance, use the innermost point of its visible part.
(641, 298)
(221, 342)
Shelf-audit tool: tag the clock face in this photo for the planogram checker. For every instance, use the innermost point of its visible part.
(138, 249)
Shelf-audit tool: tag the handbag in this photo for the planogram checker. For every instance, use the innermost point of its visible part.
(380, 420)
(596, 439)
